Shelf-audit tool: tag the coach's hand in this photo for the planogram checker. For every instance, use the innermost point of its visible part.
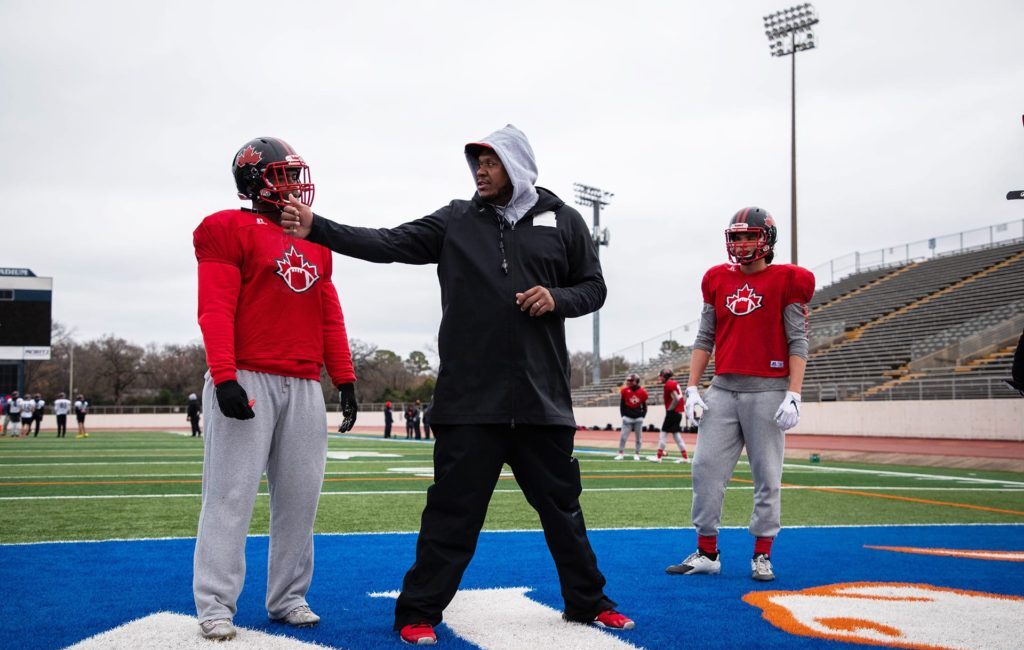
(233, 401)
(788, 414)
(693, 400)
(536, 301)
(349, 407)
(297, 218)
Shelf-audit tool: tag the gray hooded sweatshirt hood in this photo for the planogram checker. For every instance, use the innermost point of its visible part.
(516, 155)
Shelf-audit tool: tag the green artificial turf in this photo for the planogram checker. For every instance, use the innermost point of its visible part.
(147, 484)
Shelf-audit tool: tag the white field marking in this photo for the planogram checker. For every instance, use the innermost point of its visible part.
(370, 493)
(932, 477)
(126, 454)
(119, 463)
(505, 619)
(512, 530)
(169, 631)
(348, 455)
(171, 462)
(63, 477)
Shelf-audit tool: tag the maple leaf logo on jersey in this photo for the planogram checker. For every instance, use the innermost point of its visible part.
(298, 274)
(248, 156)
(743, 302)
(633, 400)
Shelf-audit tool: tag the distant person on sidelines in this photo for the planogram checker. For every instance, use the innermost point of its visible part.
(513, 263)
(61, 408)
(633, 409)
(417, 412)
(426, 418)
(28, 410)
(672, 396)
(389, 419)
(5, 406)
(81, 410)
(193, 413)
(271, 321)
(14, 412)
(37, 416)
(754, 319)
(409, 415)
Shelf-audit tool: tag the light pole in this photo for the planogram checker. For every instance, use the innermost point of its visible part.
(789, 32)
(592, 196)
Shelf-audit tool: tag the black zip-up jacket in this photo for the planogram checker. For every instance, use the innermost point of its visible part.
(498, 364)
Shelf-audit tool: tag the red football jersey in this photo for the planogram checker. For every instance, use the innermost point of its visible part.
(672, 386)
(634, 398)
(266, 301)
(750, 335)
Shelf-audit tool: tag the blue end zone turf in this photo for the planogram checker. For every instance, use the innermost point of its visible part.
(54, 595)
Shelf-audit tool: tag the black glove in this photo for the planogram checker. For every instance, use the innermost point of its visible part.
(349, 407)
(233, 401)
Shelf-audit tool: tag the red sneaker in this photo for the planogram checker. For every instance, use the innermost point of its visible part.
(612, 619)
(420, 634)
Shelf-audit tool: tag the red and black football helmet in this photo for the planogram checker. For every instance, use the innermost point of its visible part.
(751, 220)
(269, 170)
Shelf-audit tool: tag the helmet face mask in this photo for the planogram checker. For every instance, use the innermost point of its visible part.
(268, 170)
(747, 250)
(633, 379)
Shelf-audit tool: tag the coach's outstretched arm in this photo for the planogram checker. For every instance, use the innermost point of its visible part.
(415, 242)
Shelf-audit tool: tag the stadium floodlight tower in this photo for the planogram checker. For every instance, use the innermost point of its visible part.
(789, 32)
(592, 196)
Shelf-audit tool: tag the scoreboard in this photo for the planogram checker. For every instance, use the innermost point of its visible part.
(25, 314)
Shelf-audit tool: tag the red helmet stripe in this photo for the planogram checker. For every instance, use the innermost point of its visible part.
(284, 145)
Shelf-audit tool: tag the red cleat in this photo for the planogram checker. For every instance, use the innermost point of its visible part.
(613, 620)
(422, 634)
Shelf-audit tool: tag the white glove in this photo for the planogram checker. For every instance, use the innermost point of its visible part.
(693, 400)
(788, 415)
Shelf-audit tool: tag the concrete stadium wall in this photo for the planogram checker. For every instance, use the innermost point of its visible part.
(997, 419)
(1001, 419)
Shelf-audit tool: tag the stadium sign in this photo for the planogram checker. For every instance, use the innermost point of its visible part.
(26, 303)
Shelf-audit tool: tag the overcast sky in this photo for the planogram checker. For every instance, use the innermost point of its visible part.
(119, 121)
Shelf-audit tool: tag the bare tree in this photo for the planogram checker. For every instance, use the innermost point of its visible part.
(119, 364)
(174, 371)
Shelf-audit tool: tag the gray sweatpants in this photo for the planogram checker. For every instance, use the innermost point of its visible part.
(632, 425)
(732, 420)
(288, 440)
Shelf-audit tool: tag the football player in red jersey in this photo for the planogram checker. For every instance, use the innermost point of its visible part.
(755, 320)
(674, 404)
(271, 320)
(633, 409)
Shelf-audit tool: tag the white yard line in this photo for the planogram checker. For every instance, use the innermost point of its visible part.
(364, 493)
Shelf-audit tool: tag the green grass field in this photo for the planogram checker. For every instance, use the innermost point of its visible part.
(128, 485)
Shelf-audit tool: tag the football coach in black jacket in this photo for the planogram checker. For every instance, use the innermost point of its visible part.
(513, 263)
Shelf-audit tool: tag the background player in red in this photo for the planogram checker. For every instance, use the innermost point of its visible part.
(271, 320)
(674, 404)
(755, 320)
(633, 409)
